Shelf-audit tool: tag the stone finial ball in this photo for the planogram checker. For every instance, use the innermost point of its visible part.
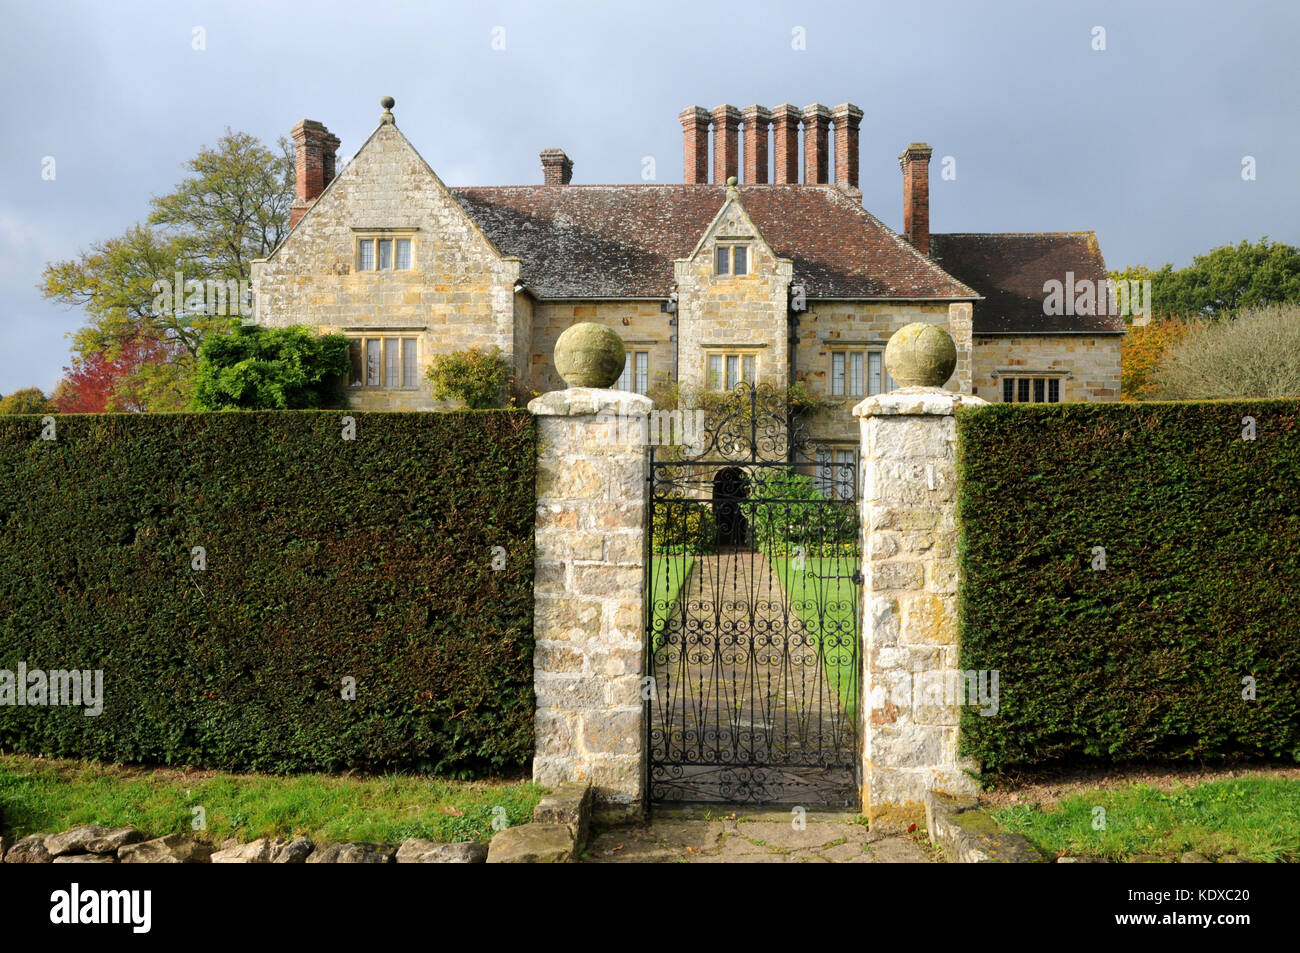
(388, 102)
(920, 355)
(589, 355)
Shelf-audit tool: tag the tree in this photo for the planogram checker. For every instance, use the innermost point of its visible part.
(1225, 280)
(480, 379)
(1141, 353)
(136, 379)
(232, 208)
(29, 400)
(1255, 354)
(254, 368)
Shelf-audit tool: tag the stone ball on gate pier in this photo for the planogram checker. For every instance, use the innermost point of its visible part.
(920, 355)
(589, 355)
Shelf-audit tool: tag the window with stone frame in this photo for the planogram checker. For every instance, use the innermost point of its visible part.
(377, 361)
(636, 373)
(858, 372)
(835, 472)
(1031, 390)
(724, 370)
(385, 251)
(731, 259)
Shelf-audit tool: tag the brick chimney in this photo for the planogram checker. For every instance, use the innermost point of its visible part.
(785, 144)
(915, 163)
(695, 139)
(726, 143)
(557, 167)
(316, 150)
(847, 119)
(816, 144)
(756, 119)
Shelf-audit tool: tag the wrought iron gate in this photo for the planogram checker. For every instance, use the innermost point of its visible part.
(754, 613)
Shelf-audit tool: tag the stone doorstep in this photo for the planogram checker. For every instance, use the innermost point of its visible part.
(569, 804)
(969, 835)
(559, 829)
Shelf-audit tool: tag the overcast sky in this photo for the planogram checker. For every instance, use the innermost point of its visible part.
(1142, 142)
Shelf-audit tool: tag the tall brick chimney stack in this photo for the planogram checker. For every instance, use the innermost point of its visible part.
(816, 144)
(756, 119)
(785, 144)
(695, 139)
(316, 150)
(726, 143)
(557, 167)
(915, 163)
(847, 119)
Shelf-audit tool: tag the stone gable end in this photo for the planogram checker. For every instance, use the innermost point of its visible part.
(459, 292)
(718, 313)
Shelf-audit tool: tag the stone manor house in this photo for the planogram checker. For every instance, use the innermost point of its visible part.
(753, 276)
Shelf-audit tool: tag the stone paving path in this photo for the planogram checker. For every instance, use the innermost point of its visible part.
(696, 836)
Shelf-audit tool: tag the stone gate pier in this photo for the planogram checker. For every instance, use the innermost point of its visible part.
(589, 595)
(913, 688)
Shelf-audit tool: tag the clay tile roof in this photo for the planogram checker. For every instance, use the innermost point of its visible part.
(1010, 271)
(619, 241)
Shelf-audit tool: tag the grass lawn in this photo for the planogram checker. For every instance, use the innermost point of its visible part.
(1256, 818)
(47, 795)
(825, 598)
(667, 574)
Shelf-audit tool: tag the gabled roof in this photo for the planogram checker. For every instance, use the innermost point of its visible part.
(620, 241)
(1010, 269)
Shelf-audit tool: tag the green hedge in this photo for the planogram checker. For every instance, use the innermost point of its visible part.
(681, 525)
(789, 515)
(326, 558)
(1145, 659)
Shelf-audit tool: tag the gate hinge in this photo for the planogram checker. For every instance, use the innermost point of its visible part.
(858, 578)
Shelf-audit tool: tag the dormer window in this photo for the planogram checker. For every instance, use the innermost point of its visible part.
(384, 252)
(731, 260)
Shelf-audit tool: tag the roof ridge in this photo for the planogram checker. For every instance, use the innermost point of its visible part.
(1089, 231)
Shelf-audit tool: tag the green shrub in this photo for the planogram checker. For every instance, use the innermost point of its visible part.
(788, 514)
(326, 559)
(255, 368)
(479, 379)
(1146, 658)
(683, 526)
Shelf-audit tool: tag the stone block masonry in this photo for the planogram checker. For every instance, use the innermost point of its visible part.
(913, 689)
(589, 596)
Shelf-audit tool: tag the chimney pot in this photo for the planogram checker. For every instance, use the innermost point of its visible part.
(915, 163)
(315, 154)
(695, 140)
(785, 144)
(816, 127)
(848, 118)
(556, 167)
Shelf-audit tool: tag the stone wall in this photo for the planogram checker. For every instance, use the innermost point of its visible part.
(589, 617)
(641, 325)
(458, 294)
(870, 324)
(910, 711)
(1088, 363)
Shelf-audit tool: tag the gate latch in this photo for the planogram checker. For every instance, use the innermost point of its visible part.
(858, 578)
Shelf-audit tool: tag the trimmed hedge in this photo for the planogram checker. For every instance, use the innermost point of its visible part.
(326, 558)
(1146, 659)
(789, 515)
(680, 525)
